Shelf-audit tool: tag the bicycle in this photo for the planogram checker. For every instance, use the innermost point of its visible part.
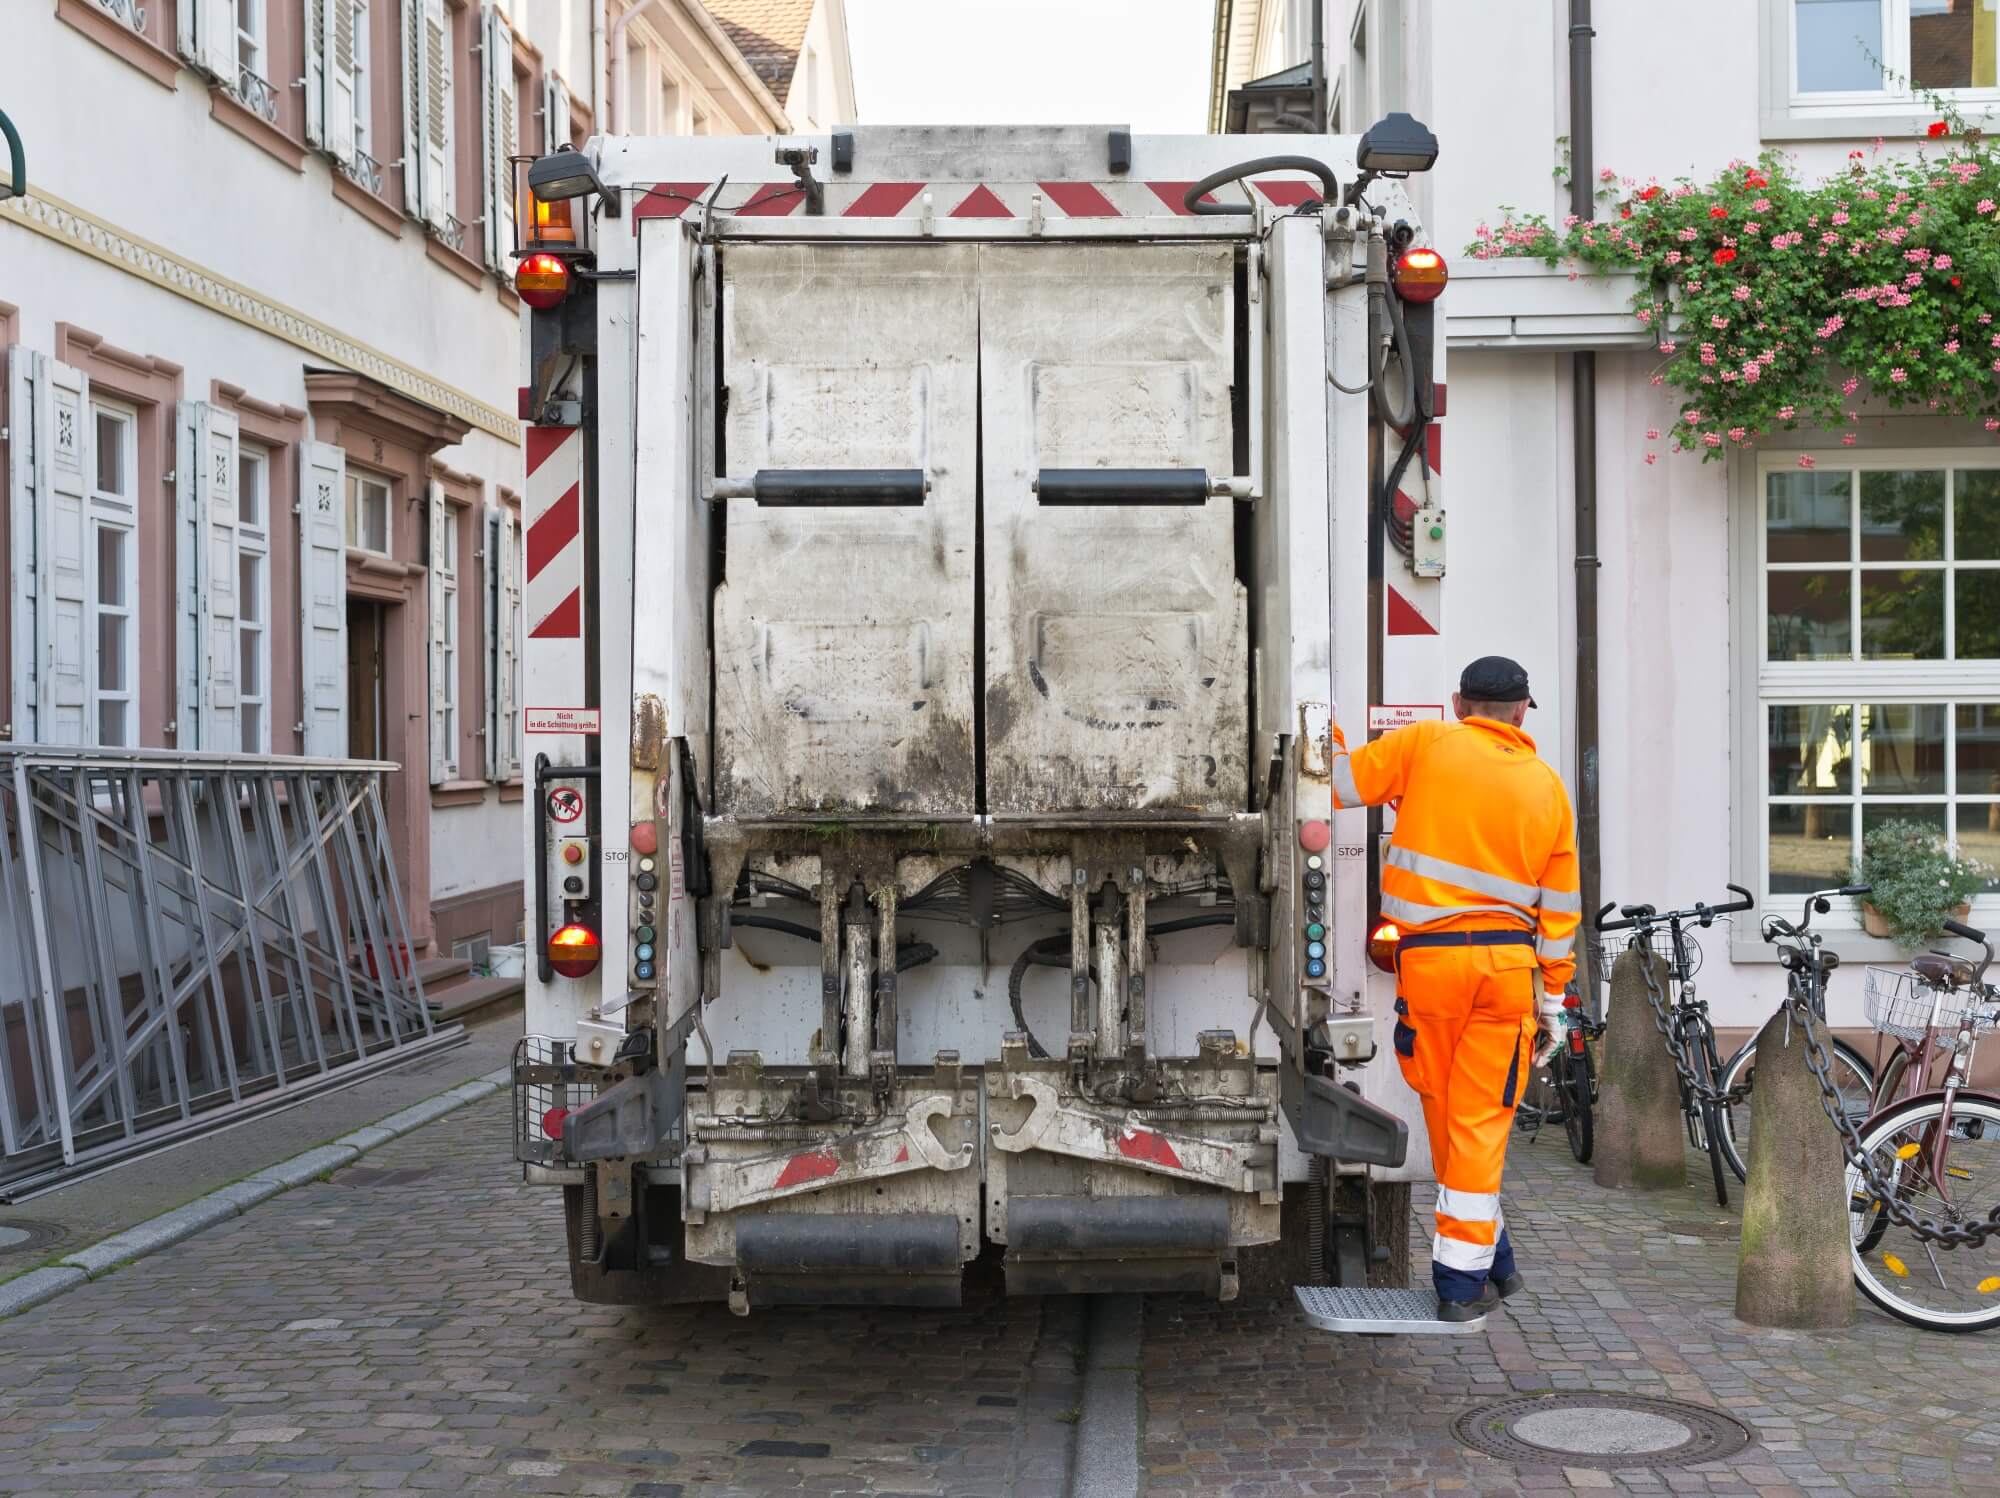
(1935, 1147)
(1683, 1020)
(1572, 1077)
(1854, 1072)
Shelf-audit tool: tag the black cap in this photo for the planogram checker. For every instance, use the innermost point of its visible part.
(1494, 678)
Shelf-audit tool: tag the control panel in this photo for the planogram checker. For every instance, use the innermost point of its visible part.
(645, 885)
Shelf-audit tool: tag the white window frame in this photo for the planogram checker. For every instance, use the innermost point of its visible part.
(357, 478)
(450, 654)
(251, 43)
(115, 511)
(253, 545)
(1896, 109)
(364, 119)
(1763, 684)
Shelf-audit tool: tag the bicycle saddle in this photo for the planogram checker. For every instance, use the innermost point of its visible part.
(1942, 971)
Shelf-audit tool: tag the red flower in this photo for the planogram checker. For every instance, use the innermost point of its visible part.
(1650, 193)
(1724, 256)
(1624, 213)
(1954, 280)
(1938, 128)
(1718, 211)
(1756, 179)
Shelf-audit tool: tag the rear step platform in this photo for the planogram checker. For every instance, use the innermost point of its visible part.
(1336, 1308)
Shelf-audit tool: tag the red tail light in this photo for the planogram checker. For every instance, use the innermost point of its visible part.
(552, 1122)
(1572, 1001)
(1382, 946)
(1576, 1042)
(1420, 275)
(542, 281)
(574, 951)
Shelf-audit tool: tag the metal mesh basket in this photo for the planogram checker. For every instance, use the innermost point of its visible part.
(544, 1079)
(1606, 951)
(1901, 1004)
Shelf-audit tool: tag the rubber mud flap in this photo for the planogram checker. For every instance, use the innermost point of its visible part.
(635, 1117)
(1110, 1227)
(803, 1242)
(1344, 1125)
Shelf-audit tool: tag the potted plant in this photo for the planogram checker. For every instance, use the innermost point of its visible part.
(1918, 883)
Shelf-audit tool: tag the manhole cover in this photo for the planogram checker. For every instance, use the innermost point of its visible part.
(1600, 1430)
(19, 1236)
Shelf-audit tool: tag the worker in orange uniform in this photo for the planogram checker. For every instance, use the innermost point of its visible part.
(1481, 877)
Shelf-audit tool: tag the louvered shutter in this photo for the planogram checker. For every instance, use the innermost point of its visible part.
(27, 478)
(412, 36)
(444, 752)
(215, 38)
(339, 40)
(507, 732)
(323, 600)
(216, 579)
(489, 593)
(62, 553)
(315, 80)
(188, 647)
(496, 56)
(437, 115)
(555, 113)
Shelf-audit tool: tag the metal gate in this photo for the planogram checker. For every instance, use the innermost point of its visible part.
(185, 939)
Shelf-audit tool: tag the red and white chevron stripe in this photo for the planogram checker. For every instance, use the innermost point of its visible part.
(1413, 608)
(553, 516)
(992, 200)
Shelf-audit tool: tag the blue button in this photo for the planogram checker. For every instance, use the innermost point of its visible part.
(1315, 949)
(644, 951)
(1315, 969)
(643, 970)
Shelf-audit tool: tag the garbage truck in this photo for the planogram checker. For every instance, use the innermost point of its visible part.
(942, 551)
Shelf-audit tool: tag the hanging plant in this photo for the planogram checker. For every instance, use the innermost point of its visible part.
(1776, 302)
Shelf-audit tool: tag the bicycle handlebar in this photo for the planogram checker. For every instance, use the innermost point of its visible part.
(1700, 913)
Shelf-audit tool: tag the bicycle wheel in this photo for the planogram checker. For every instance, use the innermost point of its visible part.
(1706, 1069)
(1577, 1086)
(1949, 1173)
(1852, 1072)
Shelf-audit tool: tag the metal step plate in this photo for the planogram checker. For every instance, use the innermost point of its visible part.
(1405, 1313)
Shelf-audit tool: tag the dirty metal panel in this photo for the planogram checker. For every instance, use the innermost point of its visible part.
(1116, 653)
(843, 637)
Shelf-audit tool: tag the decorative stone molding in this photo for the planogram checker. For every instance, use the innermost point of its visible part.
(79, 230)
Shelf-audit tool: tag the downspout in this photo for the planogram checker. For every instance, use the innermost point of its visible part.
(1319, 67)
(1583, 424)
(620, 60)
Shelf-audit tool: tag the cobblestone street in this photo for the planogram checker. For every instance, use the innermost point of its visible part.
(408, 1325)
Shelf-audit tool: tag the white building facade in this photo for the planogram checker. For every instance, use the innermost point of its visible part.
(260, 423)
(1731, 746)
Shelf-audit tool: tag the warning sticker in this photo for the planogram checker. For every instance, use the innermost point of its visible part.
(565, 804)
(1383, 715)
(562, 720)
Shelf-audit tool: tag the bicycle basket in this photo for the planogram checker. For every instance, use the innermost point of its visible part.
(1607, 951)
(1901, 1004)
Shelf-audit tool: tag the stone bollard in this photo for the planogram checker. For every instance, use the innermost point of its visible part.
(1640, 1137)
(1793, 1268)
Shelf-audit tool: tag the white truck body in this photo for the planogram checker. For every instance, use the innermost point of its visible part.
(965, 567)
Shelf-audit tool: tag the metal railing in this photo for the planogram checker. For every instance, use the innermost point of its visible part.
(365, 170)
(186, 939)
(451, 230)
(256, 94)
(131, 14)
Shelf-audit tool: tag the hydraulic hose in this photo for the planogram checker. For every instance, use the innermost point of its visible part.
(1192, 199)
(909, 954)
(1057, 947)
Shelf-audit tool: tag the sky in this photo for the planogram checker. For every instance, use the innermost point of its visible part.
(1142, 63)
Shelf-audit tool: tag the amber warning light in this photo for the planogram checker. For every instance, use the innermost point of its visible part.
(574, 951)
(542, 280)
(1382, 946)
(1420, 275)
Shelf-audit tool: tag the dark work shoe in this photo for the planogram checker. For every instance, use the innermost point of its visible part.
(1468, 1310)
(1510, 1285)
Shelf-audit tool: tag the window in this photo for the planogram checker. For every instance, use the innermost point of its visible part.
(1879, 679)
(253, 640)
(367, 512)
(809, 65)
(364, 108)
(1855, 61)
(250, 36)
(447, 564)
(1357, 92)
(113, 513)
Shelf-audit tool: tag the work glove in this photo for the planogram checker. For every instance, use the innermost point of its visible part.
(1548, 1025)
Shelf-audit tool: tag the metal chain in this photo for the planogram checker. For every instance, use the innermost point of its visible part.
(1676, 1046)
(1881, 1190)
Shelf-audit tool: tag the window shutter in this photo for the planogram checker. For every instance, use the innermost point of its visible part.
(27, 479)
(188, 636)
(217, 20)
(413, 107)
(437, 118)
(323, 600)
(496, 57)
(187, 29)
(489, 593)
(315, 80)
(215, 579)
(339, 41)
(555, 113)
(507, 733)
(444, 753)
(62, 547)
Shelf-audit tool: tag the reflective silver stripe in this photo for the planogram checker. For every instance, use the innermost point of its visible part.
(1343, 781)
(1566, 903)
(1456, 1253)
(1396, 908)
(1425, 866)
(1468, 1206)
(1554, 950)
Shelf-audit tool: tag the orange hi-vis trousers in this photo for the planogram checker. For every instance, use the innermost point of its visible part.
(1465, 1036)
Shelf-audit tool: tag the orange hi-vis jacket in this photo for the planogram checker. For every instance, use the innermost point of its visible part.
(1484, 837)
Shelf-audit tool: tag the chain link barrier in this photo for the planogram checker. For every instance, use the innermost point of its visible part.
(1670, 1032)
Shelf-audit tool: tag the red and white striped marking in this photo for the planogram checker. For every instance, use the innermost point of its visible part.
(1413, 606)
(553, 516)
(990, 200)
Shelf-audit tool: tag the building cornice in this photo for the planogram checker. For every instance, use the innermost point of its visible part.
(78, 229)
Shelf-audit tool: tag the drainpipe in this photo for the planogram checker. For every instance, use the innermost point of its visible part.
(621, 61)
(1319, 67)
(1583, 423)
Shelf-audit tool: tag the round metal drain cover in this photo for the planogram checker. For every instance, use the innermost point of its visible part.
(1600, 1430)
(18, 1235)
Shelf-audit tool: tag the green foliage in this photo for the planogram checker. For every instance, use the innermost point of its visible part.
(1778, 300)
(1917, 881)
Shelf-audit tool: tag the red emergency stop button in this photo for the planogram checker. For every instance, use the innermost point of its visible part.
(572, 852)
(1314, 836)
(645, 837)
